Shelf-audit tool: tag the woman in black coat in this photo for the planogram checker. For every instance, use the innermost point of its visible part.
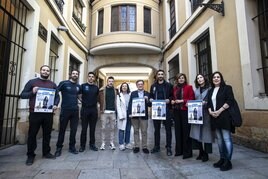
(220, 98)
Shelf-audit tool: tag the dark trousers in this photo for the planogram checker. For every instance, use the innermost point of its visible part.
(35, 121)
(182, 133)
(157, 127)
(65, 116)
(89, 118)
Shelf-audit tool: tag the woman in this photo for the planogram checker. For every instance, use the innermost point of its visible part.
(202, 133)
(123, 124)
(220, 98)
(182, 92)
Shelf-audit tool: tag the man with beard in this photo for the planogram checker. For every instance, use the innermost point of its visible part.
(89, 112)
(70, 90)
(162, 90)
(37, 119)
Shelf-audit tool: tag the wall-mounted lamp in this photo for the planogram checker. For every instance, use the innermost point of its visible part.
(216, 7)
(62, 28)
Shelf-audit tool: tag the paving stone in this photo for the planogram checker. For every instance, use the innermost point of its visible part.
(137, 173)
(99, 174)
(57, 174)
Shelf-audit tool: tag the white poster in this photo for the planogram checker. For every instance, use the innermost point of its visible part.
(159, 109)
(195, 112)
(44, 100)
(138, 107)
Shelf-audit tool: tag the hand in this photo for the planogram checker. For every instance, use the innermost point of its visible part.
(151, 99)
(172, 102)
(167, 101)
(35, 89)
(55, 107)
(145, 97)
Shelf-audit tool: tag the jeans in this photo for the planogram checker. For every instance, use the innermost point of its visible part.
(225, 143)
(124, 135)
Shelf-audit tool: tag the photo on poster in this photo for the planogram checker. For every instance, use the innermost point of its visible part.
(159, 109)
(195, 112)
(44, 100)
(138, 107)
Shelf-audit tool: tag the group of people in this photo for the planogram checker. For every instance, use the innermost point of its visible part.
(116, 109)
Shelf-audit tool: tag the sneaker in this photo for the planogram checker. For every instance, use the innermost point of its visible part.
(29, 160)
(49, 156)
(122, 147)
(73, 151)
(93, 147)
(129, 146)
(169, 152)
(112, 147)
(102, 147)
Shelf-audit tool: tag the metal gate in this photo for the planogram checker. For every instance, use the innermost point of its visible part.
(12, 28)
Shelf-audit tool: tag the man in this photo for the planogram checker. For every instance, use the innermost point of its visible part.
(107, 100)
(140, 122)
(70, 90)
(162, 90)
(37, 119)
(89, 112)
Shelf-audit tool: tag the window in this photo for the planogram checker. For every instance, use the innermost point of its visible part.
(263, 30)
(78, 14)
(172, 29)
(60, 4)
(174, 69)
(147, 20)
(53, 56)
(74, 64)
(195, 4)
(100, 22)
(123, 18)
(203, 55)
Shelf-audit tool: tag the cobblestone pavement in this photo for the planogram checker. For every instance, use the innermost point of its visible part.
(116, 164)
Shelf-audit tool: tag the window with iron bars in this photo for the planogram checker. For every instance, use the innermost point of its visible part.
(174, 69)
(262, 17)
(203, 55)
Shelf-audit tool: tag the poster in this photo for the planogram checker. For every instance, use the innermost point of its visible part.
(138, 107)
(195, 112)
(159, 109)
(44, 100)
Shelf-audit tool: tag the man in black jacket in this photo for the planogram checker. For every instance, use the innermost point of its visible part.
(162, 90)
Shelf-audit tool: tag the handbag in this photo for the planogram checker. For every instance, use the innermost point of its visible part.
(235, 114)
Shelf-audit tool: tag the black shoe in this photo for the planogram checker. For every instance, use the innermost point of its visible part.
(155, 150)
(73, 151)
(199, 157)
(227, 165)
(82, 149)
(136, 149)
(187, 156)
(145, 150)
(49, 156)
(169, 152)
(219, 163)
(205, 157)
(58, 152)
(177, 154)
(30, 160)
(93, 147)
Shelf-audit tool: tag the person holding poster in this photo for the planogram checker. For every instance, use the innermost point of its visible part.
(202, 135)
(182, 92)
(123, 122)
(70, 90)
(43, 118)
(162, 90)
(89, 112)
(139, 121)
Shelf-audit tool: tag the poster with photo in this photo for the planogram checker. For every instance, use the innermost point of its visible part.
(44, 100)
(159, 109)
(195, 112)
(138, 107)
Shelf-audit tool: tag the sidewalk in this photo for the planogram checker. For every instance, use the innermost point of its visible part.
(117, 164)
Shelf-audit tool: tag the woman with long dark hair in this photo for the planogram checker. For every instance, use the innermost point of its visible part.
(201, 133)
(220, 98)
(182, 92)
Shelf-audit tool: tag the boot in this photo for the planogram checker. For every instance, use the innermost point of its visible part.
(219, 163)
(227, 165)
(205, 157)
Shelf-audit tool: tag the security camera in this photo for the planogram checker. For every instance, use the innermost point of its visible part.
(63, 28)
